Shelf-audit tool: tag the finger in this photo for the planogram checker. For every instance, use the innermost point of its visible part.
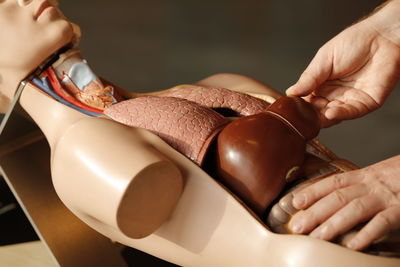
(317, 72)
(326, 123)
(285, 203)
(319, 103)
(323, 209)
(334, 91)
(297, 188)
(277, 216)
(357, 211)
(280, 213)
(380, 225)
(337, 110)
(346, 102)
(304, 198)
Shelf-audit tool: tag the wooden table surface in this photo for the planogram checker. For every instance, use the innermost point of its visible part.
(32, 254)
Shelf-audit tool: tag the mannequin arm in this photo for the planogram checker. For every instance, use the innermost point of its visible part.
(114, 174)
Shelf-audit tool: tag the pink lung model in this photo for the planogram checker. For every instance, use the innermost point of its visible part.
(186, 118)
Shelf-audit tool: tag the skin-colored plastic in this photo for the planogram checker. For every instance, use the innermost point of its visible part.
(127, 183)
(208, 227)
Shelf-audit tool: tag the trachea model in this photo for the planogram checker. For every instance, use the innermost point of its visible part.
(78, 87)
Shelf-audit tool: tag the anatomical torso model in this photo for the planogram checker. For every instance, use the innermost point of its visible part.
(186, 174)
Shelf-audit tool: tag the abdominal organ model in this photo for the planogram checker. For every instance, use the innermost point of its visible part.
(253, 152)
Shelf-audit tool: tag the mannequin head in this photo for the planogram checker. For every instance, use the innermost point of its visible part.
(31, 30)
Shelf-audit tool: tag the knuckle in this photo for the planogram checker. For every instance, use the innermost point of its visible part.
(370, 173)
(321, 51)
(384, 220)
(339, 197)
(358, 206)
(338, 181)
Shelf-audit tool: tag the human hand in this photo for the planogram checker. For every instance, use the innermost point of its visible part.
(336, 204)
(352, 74)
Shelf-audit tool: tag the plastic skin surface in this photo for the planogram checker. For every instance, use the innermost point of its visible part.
(194, 233)
(134, 188)
(46, 28)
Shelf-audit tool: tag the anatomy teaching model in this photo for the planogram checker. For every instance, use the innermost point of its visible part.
(186, 174)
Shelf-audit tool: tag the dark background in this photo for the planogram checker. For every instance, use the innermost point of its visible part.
(150, 45)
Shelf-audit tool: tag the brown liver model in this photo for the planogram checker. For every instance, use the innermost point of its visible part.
(257, 154)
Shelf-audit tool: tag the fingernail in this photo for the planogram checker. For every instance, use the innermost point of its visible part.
(329, 114)
(315, 234)
(352, 244)
(320, 233)
(299, 201)
(296, 225)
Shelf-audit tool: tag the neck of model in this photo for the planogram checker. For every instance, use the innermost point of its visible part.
(52, 117)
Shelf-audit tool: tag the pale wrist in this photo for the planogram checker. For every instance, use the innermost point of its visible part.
(386, 21)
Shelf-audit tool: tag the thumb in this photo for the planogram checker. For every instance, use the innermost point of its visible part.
(317, 72)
